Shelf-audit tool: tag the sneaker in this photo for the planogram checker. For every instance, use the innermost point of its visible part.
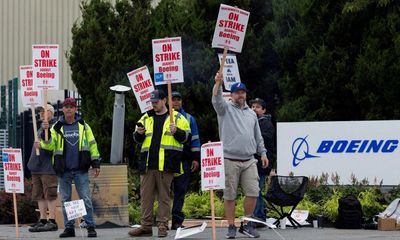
(34, 228)
(91, 232)
(49, 226)
(68, 232)
(36, 223)
(141, 231)
(231, 232)
(248, 230)
(162, 230)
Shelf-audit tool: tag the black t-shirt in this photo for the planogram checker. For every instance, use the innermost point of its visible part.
(156, 140)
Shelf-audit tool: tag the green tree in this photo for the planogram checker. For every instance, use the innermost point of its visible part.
(107, 44)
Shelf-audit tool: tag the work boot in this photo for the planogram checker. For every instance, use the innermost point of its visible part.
(68, 232)
(162, 230)
(91, 232)
(141, 231)
(175, 225)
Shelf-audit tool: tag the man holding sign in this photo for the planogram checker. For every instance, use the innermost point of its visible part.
(74, 152)
(44, 180)
(160, 157)
(241, 136)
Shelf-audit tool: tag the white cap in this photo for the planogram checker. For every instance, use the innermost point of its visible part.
(49, 108)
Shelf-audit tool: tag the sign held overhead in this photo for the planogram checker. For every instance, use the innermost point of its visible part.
(231, 28)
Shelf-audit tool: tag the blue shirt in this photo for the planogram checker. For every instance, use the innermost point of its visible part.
(71, 141)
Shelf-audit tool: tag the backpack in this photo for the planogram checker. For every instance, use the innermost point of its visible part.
(350, 213)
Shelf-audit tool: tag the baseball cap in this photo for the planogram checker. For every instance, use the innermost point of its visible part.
(238, 86)
(49, 108)
(259, 101)
(70, 101)
(176, 94)
(157, 95)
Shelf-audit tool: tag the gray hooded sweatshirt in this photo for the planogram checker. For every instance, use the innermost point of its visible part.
(239, 130)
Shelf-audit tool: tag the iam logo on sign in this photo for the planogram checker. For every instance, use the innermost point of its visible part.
(301, 150)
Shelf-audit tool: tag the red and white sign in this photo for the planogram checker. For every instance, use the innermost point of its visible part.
(30, 95)
(13, 170)
(231, 70)
(167, 60)
(212, 166)
(142, 87)
(45, 65)
(231, 28)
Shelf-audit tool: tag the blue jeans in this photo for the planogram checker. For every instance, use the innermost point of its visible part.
(81, 180)
(180, 183)
(259, 210)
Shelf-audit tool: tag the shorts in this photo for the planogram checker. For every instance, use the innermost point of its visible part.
(44, 187)
(243, 172)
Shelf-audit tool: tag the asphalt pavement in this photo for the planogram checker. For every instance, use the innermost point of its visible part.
(305, 233)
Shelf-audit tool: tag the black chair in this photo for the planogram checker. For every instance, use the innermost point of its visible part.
(286, 191)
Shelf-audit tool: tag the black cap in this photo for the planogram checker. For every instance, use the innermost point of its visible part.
(176, 94)
(259, 101)
(157, 95)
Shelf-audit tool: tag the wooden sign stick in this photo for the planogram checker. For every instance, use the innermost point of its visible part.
(35, 128)
(46, 132)
(214, 230)
(221, 69)
(171, 117)
(15, 214)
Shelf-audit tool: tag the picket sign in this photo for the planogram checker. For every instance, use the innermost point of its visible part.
(45, 66)
(75, 209)
(229, 33)
(13, 177)
(31, 96)
(189, 231)
(231, 71)
(142, 87)
(212, 174)
(167, 61)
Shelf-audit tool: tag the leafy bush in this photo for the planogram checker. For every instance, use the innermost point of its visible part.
(313, 208)
(134, 212)
(198, 205)
(369, 200)
(26, 207)
(330, 207)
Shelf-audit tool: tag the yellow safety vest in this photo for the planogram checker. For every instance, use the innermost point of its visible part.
(170, 152)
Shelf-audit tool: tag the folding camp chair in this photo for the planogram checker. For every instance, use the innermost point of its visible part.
(286, 191)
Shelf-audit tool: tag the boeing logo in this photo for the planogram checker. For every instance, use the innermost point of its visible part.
(301, 149)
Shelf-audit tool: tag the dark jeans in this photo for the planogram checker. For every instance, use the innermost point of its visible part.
(180, 184)
(81, 180)
(259, 210)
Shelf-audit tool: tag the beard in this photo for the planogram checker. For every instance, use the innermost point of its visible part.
(240, 101)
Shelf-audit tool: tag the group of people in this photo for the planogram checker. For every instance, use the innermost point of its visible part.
(171, 149)
(170, 152)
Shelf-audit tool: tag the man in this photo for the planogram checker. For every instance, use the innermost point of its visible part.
(241, 136)
(160, 157)
(74, 151)
(267, 131)
(44, 181)
(191, 158)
